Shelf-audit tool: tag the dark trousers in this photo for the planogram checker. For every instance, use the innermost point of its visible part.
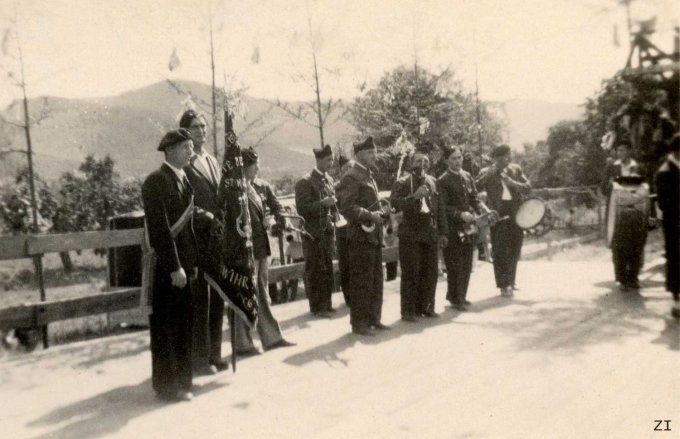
(628, 246)
(343, 248)
(391, 270)
(458, 260)
(208, 312)
(672, 245)
(319, 272)
(506, 241)
(170, 327)
(366, 284)
(419, 271)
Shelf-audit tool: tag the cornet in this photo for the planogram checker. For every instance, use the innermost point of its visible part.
(276, 228)
(385, 212)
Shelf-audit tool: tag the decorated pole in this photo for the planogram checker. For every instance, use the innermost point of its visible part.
(231, 264)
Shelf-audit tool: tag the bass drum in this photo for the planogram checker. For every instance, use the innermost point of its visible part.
(627, 210)
(535, 217)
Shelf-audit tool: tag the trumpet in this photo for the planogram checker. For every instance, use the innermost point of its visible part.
(276, 228)
(385, 212)
(332, 216)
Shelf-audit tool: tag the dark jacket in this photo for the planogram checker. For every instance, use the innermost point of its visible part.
(309, 191)
(205, 195)
(491, 183)
(357, 198)
(668, 193)
(458, 194)
(164, 203)
(422, 227)
(261, 203)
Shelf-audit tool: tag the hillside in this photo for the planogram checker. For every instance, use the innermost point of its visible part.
(128, 127)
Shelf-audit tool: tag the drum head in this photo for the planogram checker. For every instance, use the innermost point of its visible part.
(530, 213)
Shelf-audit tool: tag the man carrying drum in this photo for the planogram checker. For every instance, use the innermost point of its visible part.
(505, 185)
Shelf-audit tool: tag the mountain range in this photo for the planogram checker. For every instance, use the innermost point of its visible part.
(128, 127)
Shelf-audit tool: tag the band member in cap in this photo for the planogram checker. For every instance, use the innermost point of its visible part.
(358, 202)
(315, 202)
(261, 201)
(505, 185)
(629, 242)
(168, 208)
(204, 175)
(421, 231)
(341, 243)
(458, 195)
(668, 199)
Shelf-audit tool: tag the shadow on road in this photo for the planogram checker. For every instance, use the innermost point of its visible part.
(107, 412)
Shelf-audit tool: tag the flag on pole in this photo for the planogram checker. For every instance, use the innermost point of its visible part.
(255, 57)
(174, 62)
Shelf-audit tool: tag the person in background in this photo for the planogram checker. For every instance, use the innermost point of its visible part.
(391, 240)
(342, 245)
(505, 185)
(261, 199)
(668, 198)
(315, 202)
(421, 232)
(204, 176)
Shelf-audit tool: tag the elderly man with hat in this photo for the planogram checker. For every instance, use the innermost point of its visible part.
(261, 202)
(358, 202)
(505, 185)
(204, 175)
(168, 208)
(421, 232)
(315, 202)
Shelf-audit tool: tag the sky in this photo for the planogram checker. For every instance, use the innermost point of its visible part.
(549, 50)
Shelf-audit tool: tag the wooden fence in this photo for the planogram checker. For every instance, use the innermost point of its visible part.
(40, 314)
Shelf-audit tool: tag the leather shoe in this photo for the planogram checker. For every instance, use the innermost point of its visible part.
(323, 314)
(332, 310)
(248, 352)
(379, 326)
(183, 395)
(283, 343)
(220, 365)
(430, 314)
(362, 331)
(468, 303)
(208, 369)
(459, 307)
(409, 318)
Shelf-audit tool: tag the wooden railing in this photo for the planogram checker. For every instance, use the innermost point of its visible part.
(42, 313)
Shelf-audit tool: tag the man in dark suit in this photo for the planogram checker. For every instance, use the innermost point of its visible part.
(315, 202)
(459, 200)
(668, 199)
(505, 185)
(423, 228)
(204, 175)
(341, 243)
(261, 201)
(168, 208)
(358, 202)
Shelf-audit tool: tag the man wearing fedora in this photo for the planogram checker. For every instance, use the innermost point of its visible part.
(505, 185)
(204, 176)
(168, 208)
(358, 202)
(315, 202)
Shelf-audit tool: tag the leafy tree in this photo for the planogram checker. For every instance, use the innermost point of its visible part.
(432, 110)
(15, 205)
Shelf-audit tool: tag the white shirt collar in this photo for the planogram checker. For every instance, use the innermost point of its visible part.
(323, 174)
(178, 171)
(672, 159)
(361, 166)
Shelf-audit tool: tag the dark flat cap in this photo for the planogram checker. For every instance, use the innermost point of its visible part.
(249, 156)
(363, 146)
(174, 137)
(500, 150)
(323, 153)
(187, 118)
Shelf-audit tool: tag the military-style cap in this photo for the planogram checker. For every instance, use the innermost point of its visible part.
(249, 156)
(363, 146)
(500, 150)
(174, 137)
(323, 153)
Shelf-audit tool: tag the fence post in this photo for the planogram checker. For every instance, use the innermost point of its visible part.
(37, 261)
